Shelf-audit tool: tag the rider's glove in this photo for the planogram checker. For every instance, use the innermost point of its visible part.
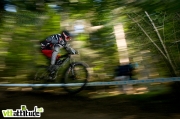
(66, 47)
(73, 51)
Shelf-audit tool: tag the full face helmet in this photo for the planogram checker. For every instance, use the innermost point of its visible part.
(66, 36)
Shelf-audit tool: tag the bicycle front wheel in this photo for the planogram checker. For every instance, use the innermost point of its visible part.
(76, 76)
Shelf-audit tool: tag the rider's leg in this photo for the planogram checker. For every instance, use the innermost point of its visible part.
(56, 50)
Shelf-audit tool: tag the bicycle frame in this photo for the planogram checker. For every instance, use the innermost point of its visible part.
(64, 61)
(67, 56)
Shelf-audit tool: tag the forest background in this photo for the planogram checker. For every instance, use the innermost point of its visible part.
(151, 29)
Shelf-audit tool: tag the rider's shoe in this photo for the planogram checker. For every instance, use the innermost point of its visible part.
(52, 68)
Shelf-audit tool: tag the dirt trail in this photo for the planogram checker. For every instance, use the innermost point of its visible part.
(62, 106)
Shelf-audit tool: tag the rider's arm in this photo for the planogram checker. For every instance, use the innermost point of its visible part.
(70, 50)
(53, 39)
(47, 43)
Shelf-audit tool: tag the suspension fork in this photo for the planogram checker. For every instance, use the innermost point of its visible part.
(72, 66)
(72, 71)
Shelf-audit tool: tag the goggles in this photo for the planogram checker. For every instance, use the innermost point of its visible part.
(67, 38)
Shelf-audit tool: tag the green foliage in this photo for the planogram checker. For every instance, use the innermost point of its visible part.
(82, 37)
(51, 25)
(27, 29)
(104, 42)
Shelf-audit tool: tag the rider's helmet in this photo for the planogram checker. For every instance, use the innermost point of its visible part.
(65, 35)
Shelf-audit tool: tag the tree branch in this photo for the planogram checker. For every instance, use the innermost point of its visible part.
(148, 37)
(164, 46)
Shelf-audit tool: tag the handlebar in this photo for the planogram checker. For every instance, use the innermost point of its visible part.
(70, 49)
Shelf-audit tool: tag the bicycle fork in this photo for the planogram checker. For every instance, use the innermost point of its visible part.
(71, 71)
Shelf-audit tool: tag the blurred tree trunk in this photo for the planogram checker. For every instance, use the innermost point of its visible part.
(2, 4)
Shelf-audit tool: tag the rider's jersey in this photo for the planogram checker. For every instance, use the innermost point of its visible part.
(51, 41)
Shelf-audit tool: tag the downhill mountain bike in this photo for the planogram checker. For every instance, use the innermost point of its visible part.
(76, 72)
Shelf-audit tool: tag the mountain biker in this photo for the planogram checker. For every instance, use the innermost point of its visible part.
(51, 46)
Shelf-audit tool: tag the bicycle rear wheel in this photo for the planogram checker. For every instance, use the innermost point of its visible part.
(40, 78)
(76, 74)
